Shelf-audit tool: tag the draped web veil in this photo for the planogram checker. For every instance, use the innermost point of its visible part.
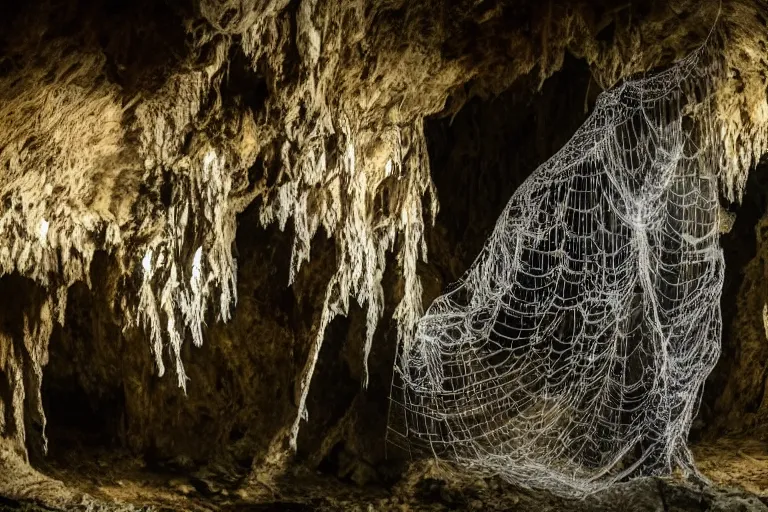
(573, 352)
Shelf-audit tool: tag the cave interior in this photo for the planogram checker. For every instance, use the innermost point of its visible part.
(495, 87)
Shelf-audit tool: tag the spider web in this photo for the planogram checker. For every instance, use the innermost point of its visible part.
(573, 352)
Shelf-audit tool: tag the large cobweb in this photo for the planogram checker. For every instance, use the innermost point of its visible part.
(573, 352)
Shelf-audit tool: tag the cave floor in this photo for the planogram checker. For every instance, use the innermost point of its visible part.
(735, 462)
(738, 469)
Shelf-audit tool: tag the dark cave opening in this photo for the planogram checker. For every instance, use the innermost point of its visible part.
(739, 249)
(82, 391)
(485, 151)
(78, 420)
(21, 302)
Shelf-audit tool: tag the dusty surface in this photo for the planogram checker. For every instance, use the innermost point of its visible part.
(736, 462)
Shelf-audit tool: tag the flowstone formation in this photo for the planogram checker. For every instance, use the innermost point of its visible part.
(574, 352)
